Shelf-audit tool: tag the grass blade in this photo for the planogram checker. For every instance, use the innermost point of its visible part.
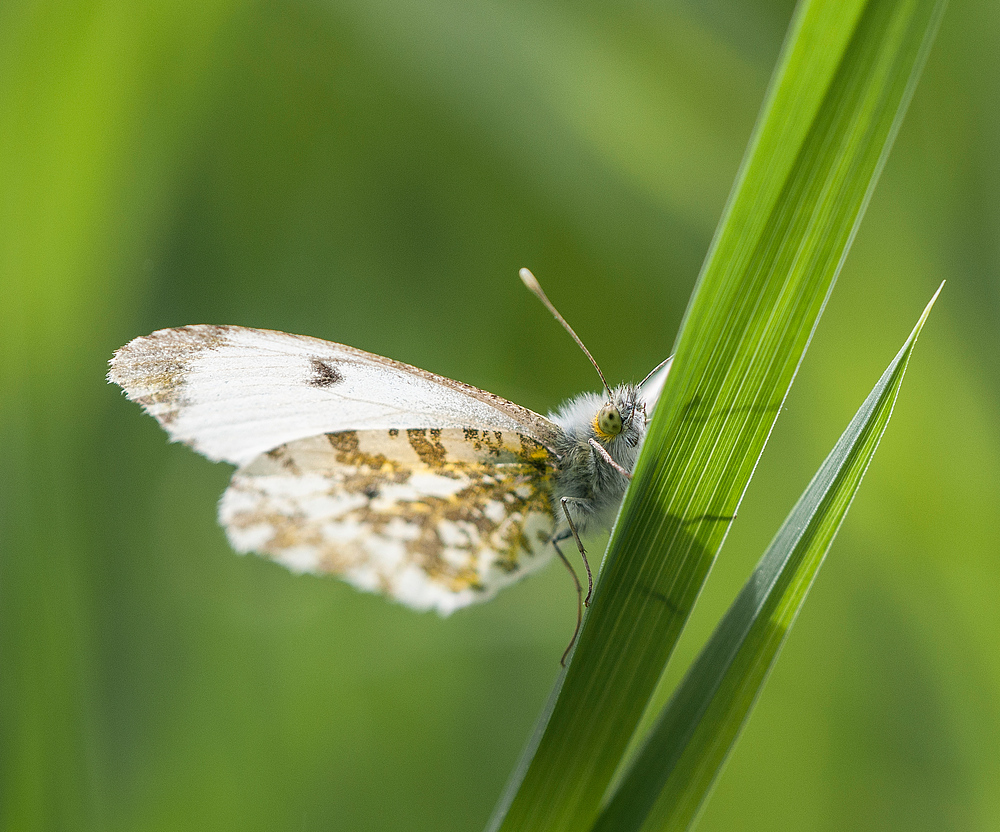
(846, 75)
(682, 756)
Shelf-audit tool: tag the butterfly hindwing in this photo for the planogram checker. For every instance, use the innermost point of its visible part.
(434, 518)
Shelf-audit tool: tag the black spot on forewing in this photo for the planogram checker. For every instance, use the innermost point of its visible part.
(324, 374)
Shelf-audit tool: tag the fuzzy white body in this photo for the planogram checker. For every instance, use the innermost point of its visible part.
(593, 488)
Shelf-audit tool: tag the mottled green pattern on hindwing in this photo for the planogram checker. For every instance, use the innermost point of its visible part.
(434, 518)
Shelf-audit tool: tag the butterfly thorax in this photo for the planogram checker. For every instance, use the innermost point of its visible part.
(594, 487)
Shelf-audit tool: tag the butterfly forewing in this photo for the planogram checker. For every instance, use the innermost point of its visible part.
(233, 393)
(434, 518)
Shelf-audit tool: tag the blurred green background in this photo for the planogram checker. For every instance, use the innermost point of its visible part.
(374, 173)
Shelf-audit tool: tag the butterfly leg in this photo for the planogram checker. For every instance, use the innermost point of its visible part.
(579, 602)
(579, 545)
(602, 452)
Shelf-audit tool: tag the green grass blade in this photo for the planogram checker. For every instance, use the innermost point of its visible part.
(672, 775)
(846, 74)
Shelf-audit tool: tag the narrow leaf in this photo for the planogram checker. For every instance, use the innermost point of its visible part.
(846, 74)
(685, 751)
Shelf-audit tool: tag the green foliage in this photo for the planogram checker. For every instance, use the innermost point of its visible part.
(820, 142)
(667, 782)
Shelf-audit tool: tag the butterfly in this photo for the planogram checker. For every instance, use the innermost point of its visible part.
(398, 480)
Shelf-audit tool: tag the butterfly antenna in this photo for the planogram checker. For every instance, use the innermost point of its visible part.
(531, 282)
(669, 359)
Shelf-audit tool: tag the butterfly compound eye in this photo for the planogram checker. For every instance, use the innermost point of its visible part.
(609, 420)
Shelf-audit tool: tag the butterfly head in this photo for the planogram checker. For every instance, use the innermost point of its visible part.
(620, 423)
(622, 417)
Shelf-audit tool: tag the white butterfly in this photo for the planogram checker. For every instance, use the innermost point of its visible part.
(401, 481)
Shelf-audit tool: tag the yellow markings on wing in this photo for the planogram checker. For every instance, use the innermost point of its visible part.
(436, 519)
